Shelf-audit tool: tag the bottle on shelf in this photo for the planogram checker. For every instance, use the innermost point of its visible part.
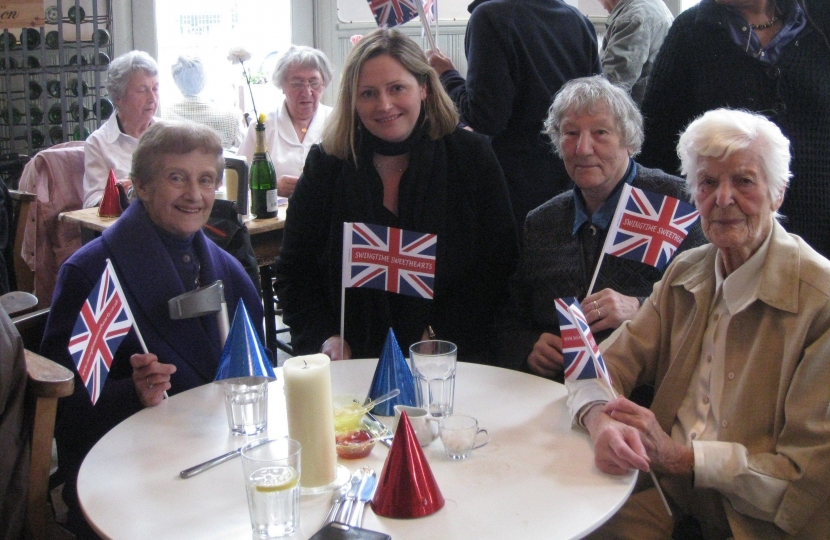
(35, 90)
(103, 108)
(32, 62)
(16, 116)
(53, 88)
(263, 178)
(12, 63)
(37, 139)
(75, 112)
(35, 115)
(7, 41)
(31, 37)
(52, 39)
(74, 90)
(74, 60)
(76, 15)
(56, 134)
(55, 116)
(80, 133)
(102, 59)
(101, 37)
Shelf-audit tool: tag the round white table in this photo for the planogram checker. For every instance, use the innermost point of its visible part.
(535, 479)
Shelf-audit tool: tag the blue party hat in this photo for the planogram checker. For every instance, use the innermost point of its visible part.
(244, 355)
(392, 372)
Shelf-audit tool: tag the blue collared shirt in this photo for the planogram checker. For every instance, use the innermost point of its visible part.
(746, 38)
(601, 219)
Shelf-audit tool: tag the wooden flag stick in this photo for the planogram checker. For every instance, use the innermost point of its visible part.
(419, 5)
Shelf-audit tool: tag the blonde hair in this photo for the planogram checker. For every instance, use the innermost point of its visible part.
(441, 116)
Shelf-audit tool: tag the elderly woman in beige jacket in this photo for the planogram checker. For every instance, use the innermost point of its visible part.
(736, 340)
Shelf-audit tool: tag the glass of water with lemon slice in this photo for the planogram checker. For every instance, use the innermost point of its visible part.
(272, 481)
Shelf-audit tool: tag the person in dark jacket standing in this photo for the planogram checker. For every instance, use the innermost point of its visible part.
(765, 56)
(519, 54)
(394, 156)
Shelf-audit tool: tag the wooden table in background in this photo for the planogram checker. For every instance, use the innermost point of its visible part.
(266, 248)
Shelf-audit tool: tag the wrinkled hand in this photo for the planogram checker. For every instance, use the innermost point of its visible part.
(546, 357)
(666, 455)
(438, 61)
(151, 378)
(608, 309)
(286, 185)
(331, 348)
(617, 447)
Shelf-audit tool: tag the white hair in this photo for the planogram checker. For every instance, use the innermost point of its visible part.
(304, 57)
(720, 132)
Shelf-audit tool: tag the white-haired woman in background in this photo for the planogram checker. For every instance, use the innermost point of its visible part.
(303, 74)
(133, 86)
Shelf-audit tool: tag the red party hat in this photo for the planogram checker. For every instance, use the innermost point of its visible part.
(110, 203)
(406, 488)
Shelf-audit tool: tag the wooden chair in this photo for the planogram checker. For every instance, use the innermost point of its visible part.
(47, 381)
(21, 201)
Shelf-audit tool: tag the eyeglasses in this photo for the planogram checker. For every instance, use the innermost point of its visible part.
(313, 84)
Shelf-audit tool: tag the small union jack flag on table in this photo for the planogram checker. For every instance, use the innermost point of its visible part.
(581, 354)
(648, 227)
(103, 323)
(389, 259)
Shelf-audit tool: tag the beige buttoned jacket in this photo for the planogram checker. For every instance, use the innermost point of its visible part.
(776, 402)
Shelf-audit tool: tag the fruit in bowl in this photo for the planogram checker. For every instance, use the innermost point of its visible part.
(355, 444)
(348, 410)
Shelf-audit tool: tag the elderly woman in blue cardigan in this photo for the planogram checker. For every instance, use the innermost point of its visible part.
(158, 252)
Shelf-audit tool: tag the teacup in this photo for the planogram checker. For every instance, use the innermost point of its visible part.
(424, 425)
(459, 434)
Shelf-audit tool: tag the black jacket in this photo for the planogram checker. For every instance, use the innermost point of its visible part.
(453, 188)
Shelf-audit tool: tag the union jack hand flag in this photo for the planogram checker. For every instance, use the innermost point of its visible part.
(579, 349)
(102, 324)
(431, 11)
(389, 259)
(648, 227)
(391, 13)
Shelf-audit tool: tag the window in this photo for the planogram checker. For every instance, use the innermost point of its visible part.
(209, 29)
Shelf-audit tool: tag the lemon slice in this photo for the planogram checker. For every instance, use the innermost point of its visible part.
(275, 479)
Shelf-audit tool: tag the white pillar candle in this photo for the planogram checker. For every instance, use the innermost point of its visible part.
(307, 382)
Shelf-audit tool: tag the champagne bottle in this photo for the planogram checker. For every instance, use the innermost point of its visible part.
(263, 177)
(76, 15)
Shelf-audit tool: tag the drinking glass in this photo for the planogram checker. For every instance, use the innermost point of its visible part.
(272, 482)
(246, 402)
(459, 434)
(433, 364)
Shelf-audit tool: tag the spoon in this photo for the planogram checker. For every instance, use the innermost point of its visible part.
(369, 404)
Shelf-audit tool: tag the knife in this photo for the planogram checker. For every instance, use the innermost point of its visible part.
(202, 467)
(351, 495)
(367, 491)
(387, 441)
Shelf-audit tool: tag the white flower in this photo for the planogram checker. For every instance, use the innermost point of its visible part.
(238, 55)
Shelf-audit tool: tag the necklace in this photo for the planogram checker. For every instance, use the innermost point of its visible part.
(766, 25)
